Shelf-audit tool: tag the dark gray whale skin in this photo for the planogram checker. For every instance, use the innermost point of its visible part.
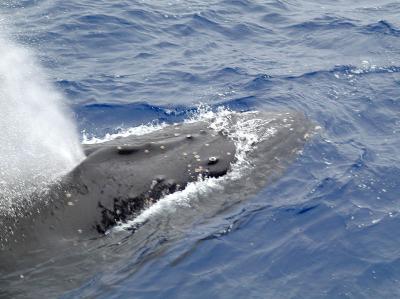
(117, 180)
(120, 178)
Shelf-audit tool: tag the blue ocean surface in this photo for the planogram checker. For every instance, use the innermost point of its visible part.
(328, 227)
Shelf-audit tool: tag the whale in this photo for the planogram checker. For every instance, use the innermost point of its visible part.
(121, 178)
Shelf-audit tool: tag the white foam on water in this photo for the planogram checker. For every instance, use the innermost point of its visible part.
(136, 131)
(38, 139)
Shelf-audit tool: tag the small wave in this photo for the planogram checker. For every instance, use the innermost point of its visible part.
(336, 23)
(244, 5)
(325, 23)
(103, 19)
(212, 21)
(364, 68)
(382, 27)
(142, 15)
(259, 81)
(274, 18)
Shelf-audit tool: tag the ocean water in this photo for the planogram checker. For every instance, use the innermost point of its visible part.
(327, 228)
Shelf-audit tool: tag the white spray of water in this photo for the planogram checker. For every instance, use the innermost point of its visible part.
(38, 140)
(136, 131)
